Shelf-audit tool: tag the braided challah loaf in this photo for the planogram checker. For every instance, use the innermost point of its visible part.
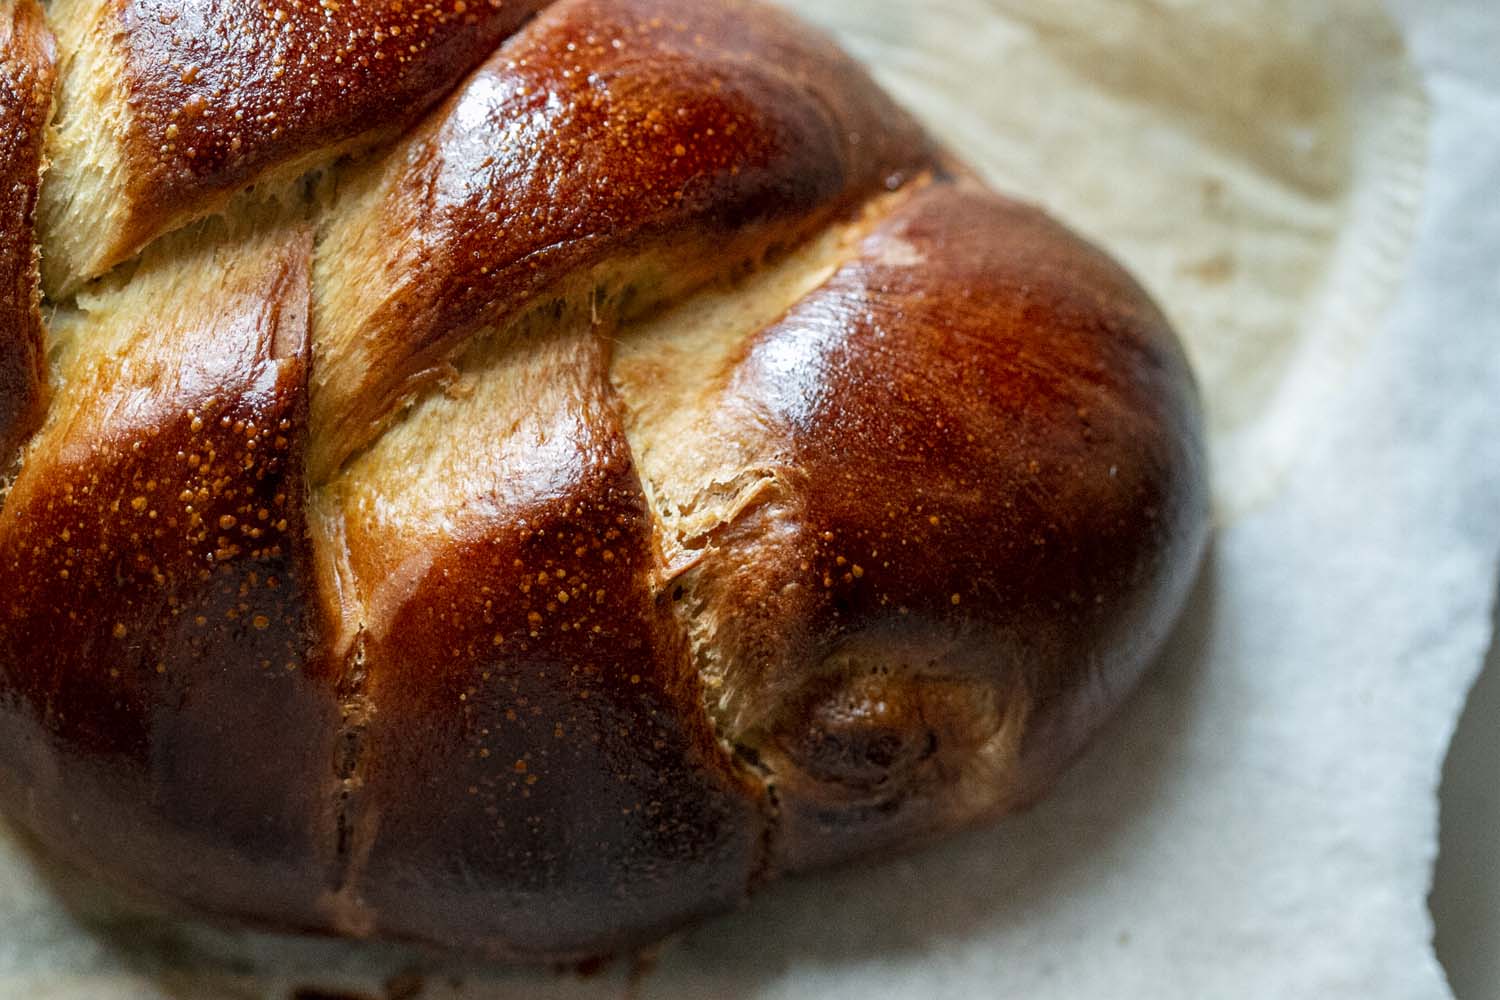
(516, 476)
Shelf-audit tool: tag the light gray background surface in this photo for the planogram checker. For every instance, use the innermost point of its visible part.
(1458, 43)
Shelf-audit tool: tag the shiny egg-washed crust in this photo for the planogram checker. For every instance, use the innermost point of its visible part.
(658, 470)
(28, 66)
(216, 94)
(613, 151)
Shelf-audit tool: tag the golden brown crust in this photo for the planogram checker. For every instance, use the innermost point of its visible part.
(674, 141)
(216, 95)
(568, 796)
(225, 90)
(156, 637)
(658, 472)
(28, 65)
(986, 507)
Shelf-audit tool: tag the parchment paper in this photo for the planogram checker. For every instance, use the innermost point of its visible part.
(1309, 188)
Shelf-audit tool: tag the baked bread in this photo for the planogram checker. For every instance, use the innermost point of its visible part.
(517, 476)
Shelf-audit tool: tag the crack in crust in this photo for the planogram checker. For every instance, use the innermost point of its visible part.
(658, 470)
(347, 913)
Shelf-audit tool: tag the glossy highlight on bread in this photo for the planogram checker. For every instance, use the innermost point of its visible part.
(515, 477)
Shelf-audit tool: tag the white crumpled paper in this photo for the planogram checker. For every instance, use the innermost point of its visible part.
(1313, 191)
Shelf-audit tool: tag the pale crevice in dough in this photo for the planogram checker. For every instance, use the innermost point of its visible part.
(142, 324)
(362, 267)
(505, 412)
(84, 208)
(359, 278)
(706, 469)
(88, 220)
(502, 435)
(670, 368)
(477, 445)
